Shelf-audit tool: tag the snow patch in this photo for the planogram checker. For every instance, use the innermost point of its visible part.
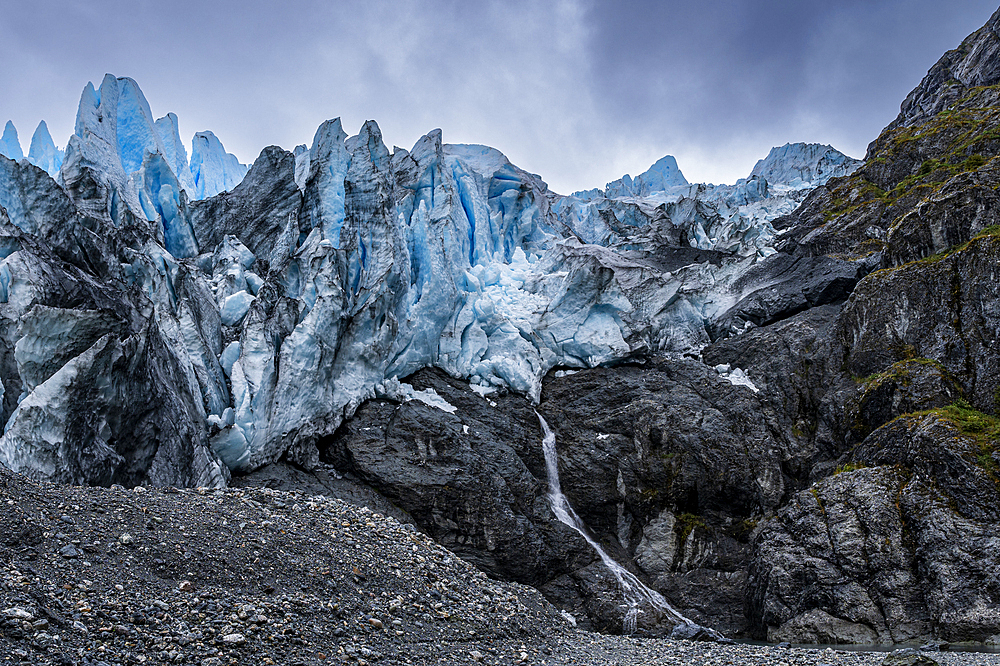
(736, 377)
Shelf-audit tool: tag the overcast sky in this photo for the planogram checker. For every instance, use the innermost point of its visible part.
(579, 92)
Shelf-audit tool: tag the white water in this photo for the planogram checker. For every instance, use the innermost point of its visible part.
(636, 594)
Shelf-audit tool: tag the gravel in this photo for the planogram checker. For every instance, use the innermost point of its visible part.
(114, 577)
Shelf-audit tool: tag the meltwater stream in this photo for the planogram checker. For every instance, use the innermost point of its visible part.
(636, 594)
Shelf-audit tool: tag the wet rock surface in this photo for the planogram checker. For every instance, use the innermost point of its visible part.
(652, 458)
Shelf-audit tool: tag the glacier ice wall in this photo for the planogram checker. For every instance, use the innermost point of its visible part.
(255, 309)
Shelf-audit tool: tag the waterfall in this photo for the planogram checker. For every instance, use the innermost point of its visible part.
(636, 594)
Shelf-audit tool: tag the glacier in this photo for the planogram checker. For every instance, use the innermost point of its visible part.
(260, 305)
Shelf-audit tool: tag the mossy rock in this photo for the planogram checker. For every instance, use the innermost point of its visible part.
(953, 447)
(907, 168)
(910, 385)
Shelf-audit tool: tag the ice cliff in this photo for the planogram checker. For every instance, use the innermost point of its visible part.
(166, 321)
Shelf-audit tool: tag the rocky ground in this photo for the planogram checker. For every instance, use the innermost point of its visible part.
(258, 576)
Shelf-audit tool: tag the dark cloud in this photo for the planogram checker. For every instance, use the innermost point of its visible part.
(578, 91)
(724, 74)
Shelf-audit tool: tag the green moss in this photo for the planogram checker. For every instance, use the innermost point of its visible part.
(901, 371)
(815, 493)
(963, 133)
(987, 235)
(743, 530)
(686, 523)
(989, 232)
(974, 162)
(649, 493)
(982, 429)
(849, 467)
(853, 194)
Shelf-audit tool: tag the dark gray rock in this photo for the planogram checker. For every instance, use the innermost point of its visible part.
(797, 364)
(908, 657)
(783, 285)
(319, 481)
(907, 386)
(260, 211)
(652, 458)
(464, 478)
(833, 566)
(693, 632)
(902, 550)
(962, 208)
(947, 310)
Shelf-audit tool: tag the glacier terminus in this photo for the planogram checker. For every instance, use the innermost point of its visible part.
(270, 301)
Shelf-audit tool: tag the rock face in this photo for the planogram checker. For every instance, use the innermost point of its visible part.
(898, 543)
(652, 458)
(974, 64)
(902, 547)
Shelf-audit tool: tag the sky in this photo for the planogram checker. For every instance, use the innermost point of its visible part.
(577, 91)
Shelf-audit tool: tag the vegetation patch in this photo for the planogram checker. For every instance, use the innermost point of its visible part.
(990, 234)
(686, 523)
(965, 136)
(982, 429)
(848, 467)
(900, 372)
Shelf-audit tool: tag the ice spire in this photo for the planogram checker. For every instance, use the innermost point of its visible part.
(9, 144)
(43, 152)
(213, 169)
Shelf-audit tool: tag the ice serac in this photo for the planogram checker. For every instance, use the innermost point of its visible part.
(213, 170)
(10, 146)
(803, 164)
(176, 156)
(114, 133)
(43, 152)
(661, 177)
(75, 331)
